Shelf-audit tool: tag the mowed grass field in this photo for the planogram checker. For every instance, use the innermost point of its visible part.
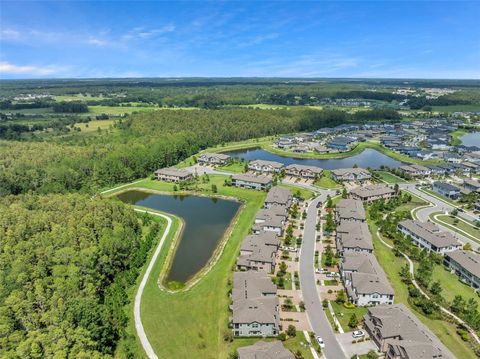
(94, 125)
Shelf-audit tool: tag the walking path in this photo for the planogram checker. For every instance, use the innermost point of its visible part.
(414, 282)
(138, 296)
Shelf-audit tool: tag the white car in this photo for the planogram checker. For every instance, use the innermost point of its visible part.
(358, 334)
(321, 270)
(320, 342)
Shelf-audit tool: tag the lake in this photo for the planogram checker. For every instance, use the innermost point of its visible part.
(471, 139)
(368, 158)
(206, 221)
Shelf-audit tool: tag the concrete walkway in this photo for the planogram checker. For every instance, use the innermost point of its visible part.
(138, 296)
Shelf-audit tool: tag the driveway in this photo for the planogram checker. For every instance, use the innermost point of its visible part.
(313, 304)
(350, 348)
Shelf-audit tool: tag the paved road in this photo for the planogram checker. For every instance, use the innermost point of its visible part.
(138, 297)
(313, 304)
(439, 206)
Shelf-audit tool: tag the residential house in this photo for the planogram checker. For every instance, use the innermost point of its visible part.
(245, 180)
(428, 236)
(372, 193)
(213, 159)
(265, 350)
(251, 242)
(172, 174)
(466, 265)
(416, 170)
(257, 256)
(452, 157)
(351, 174)
(302, 171)
(270, 219)
(446, 189)
(471, 185)
(353, 237)
(266, 167)
(349, 210)
(255, 305)
(400, 335)
(340, 143)
(279, 196)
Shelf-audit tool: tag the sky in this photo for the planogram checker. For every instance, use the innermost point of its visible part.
(382, 39)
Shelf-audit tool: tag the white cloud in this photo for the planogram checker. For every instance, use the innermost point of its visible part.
(143, 33)
(10, 34)
(97, 42)
(12, 69)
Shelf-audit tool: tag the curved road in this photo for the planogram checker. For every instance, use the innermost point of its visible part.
(138, 296)
(311, 298)
(438, 206)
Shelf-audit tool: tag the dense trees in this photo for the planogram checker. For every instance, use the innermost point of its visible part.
(70, 107)
(66, 263)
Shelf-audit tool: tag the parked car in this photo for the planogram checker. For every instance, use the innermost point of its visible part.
(320, 342)
(358, 334)
(332, 274)
(321, 270)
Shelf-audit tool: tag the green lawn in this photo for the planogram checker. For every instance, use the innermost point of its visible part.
(473, 231)
(456, 136)
(414, 203)
(445, 331)
(304, 192)
(119, 110)
(343, 314)
(390, 178)
(190, 324)
(234, 166)
(94, 125)
(326, 181)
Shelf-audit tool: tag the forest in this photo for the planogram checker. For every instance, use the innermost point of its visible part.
(67, 263)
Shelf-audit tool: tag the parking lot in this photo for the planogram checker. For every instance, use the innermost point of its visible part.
(350, 348)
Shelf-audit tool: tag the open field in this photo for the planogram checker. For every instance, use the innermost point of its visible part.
(456, 108)
(94, 125)
(391, 264)
(79, 97)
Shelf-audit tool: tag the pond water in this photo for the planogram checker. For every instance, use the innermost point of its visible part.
(368, 158)
(206, 220)
(471, 139)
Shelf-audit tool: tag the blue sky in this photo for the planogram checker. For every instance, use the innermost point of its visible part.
(273, 39)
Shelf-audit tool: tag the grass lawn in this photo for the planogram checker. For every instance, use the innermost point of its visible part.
(390, 178)
(119, 110)
(456, 136)
(303, 192)
(473, 231)
(445, 331)
(234, 166)
(326, 181)
(339, 309)
(191, 323)
(330, 282)
(414, 203)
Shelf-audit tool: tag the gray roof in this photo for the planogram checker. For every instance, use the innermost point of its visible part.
(279, 195)
(372, 191)
(297, 167)
(430, 232)
(252, 284)
(472, 183)
(396, 320)
(341, 172)
(273, 164)
(354, 235)
(446, 186)
(219, 156)
(265, 350)
(469, 260)
(172, 171)
(246, 177)
(262, 239)
(366, 283)
(350, 208)
(360, 262)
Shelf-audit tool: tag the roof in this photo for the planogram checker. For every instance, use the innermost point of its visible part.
(340, 172)
(262, 239)
(367, 283)
(252, 284)
(446, 186)
(265, 350)
(220, 156)
(246, 177)
(471, 183)
(429, 232)
(350, 208)
(397, 321)
(279, 195)
(263, 163)
(354, 235)
(360, 262)
(272, 212)
(372, 191)
(297, 167)
(470, 261)
(172, 171)
(259, 310)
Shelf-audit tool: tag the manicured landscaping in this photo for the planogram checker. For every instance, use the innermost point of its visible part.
(343, 314)
(234, 166)
(390, 178)
(303, 192)
(439, 196)
(207, 300)
(326, 181)
(414, 203)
